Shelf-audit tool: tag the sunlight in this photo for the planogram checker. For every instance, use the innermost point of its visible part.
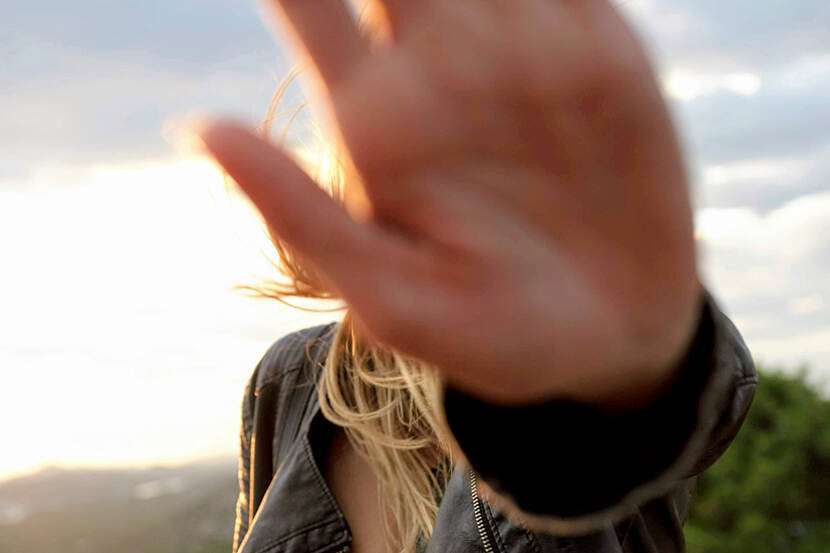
(119, 310)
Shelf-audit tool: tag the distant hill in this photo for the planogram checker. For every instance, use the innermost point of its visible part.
(183, 509)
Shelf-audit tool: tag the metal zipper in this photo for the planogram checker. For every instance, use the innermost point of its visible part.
(478, 514)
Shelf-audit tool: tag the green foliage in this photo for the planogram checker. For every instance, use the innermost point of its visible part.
(770, 492)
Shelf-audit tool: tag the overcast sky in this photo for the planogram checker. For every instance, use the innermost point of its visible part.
(119, 340)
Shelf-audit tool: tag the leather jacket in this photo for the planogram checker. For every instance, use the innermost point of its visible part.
(561, 477)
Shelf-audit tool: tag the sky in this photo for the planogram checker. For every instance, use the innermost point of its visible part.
(121, 342)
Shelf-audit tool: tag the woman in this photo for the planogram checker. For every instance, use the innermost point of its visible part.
(528, 361)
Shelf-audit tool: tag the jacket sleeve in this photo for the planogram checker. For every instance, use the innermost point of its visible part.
(566, 468)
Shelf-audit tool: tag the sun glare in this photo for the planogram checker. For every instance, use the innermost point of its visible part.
(118, 314)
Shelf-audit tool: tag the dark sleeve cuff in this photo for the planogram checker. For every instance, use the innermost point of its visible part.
(566, 460)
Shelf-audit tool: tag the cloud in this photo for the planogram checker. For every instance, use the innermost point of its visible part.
(689, 85)
(184, 34)
(762, 183)
(90, 81)
(771, 271)
(94, 110)
(788, 115)
(748, 82)
(742, 35)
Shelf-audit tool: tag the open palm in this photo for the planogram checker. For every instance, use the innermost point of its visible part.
(530, 233)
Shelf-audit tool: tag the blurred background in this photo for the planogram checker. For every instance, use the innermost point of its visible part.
(124, 351)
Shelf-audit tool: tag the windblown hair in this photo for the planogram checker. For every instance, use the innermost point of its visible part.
(387, 403)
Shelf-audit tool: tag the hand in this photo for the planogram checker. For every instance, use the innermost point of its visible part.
(530, 233)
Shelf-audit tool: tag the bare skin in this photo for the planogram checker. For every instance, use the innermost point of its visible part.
(356, 489)
(530, 232)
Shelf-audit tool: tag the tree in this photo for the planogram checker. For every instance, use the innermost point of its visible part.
(770, 491)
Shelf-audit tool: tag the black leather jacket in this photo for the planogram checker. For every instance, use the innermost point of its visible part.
(573, 479)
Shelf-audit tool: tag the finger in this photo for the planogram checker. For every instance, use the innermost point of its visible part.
(374, 271)
(329, 33)
(301, 213)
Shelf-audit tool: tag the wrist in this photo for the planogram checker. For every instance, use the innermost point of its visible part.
(641, 383)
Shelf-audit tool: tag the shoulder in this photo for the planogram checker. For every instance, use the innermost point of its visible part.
(290, 353)
(280, 366)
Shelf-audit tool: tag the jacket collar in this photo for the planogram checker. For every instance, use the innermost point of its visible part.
(299, 511)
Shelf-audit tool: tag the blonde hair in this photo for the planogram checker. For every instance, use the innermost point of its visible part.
(387, 403)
